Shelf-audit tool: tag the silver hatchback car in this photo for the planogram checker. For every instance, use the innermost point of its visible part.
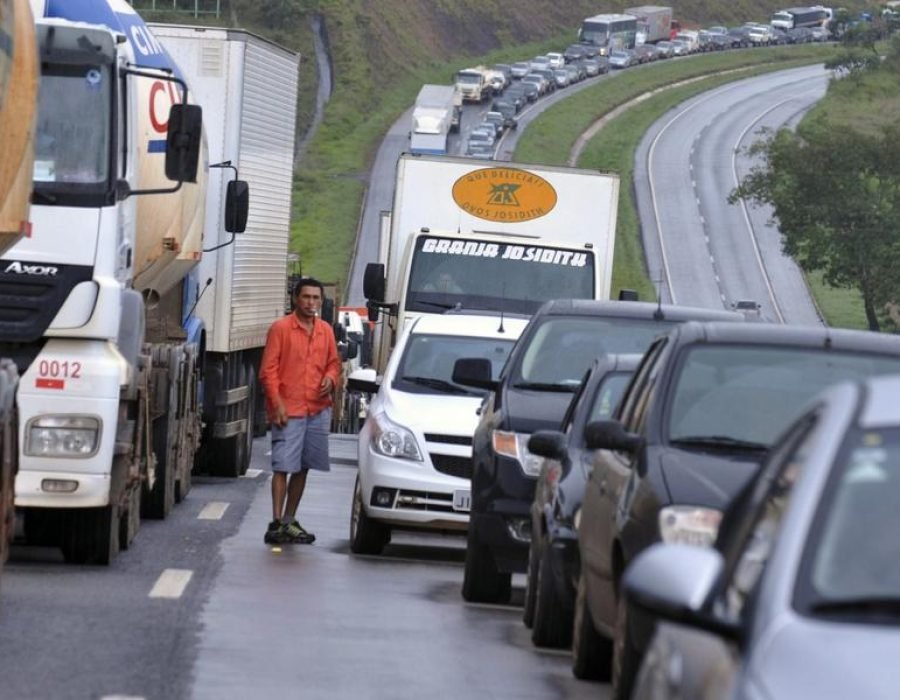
(800, 598)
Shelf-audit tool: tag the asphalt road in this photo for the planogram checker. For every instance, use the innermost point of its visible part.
(704, 251)
(253, 621)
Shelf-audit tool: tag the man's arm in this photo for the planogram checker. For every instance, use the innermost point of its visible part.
(269, 375)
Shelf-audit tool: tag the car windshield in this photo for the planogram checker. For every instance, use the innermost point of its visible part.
(852, 563)
(562, 348)
(479, 136)
(749, 394)
(426, 366)
(608, 394)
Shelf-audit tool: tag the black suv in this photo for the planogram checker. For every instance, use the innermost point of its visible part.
(541, 375)
(706, 403)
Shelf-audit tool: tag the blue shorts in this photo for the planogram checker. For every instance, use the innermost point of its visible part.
(302, 444)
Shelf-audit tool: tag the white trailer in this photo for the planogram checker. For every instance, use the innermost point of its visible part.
(512, 236)
(248, 89)
(435, 115)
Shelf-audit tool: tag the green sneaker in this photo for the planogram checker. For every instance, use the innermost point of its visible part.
(295, 534)
(275, 533)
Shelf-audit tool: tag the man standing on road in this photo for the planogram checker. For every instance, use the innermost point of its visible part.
(299, 371)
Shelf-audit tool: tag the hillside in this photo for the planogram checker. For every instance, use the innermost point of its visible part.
(381, 51)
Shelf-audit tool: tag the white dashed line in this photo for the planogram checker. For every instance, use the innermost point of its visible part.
(122, 697)
(694, 185)
(171, 583)
(213, 511)
(252, 473)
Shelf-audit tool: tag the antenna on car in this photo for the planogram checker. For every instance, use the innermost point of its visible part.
(658, 315)
(501, 329)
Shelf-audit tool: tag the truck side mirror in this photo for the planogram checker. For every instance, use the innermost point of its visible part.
(327, 313)
(183, 142)
(372, 313)
(237, 205)
(340, 331)
(350, 350)
(373, 282)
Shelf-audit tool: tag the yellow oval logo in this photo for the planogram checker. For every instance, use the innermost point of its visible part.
(509, 195)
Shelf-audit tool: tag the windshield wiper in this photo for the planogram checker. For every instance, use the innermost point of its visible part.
(871, 606)
(722, 441)
(435, 383)
(457, 305)
(546, 386)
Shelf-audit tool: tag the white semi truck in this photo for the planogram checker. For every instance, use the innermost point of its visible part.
(435, 115)
(489, 239)
(112, 308)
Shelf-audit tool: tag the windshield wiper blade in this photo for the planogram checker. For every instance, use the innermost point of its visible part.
(869, 605)
(545, 386)
(722, 441)
(435, 383)
(438, 305)
(44, 197)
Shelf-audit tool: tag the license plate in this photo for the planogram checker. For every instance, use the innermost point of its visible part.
(462, 501)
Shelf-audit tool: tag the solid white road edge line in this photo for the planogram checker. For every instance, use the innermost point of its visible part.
(213, 511)
(171, 583)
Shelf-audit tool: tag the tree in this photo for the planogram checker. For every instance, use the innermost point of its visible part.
(836, 199)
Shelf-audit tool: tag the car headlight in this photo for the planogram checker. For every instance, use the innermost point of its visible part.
(62, 436)
(689, 525)
(515, 445)
(392, 440)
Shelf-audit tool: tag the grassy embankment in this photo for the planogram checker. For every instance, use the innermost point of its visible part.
(550, 138)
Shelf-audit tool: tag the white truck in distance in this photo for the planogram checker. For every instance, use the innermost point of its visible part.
(654, 23)
(504, 238)
(435, 115)
(113, 320)
(472, 84)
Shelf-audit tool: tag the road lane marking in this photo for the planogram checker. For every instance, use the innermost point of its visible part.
(122, 697)
(171, 583)
(252, 473)
(213, 511)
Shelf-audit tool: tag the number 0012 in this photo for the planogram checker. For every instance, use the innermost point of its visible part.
(55, 368)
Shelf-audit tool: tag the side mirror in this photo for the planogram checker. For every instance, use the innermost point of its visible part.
(475, 372)
(548, 443)
(349, 350)
(183, 142)
(327, 314)
(675, 581)
(610, 435)
(363, 380)
(373, 282)
(340, 331)
(237, 206)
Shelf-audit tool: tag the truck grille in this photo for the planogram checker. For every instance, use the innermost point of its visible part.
(452, 465)
(31, 294)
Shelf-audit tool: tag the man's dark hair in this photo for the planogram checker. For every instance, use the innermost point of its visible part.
(308, 282)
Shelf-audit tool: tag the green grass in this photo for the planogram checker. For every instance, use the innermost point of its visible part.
(841, 308)
(613, 147)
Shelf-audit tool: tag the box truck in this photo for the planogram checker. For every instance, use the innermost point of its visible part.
(113, 309)
(481, 239)
(654, 23)
(435, 115)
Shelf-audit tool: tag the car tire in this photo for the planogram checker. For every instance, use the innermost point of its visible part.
(482, 582)
(531, 583)
(367, 536)
(591, 653)
(626, 657)
(552, 626)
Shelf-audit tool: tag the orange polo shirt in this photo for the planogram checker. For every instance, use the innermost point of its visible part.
(294, 364)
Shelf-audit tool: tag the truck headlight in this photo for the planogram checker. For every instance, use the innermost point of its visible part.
(515, 445)
(689, 525)
(392, 440)
(62, 436)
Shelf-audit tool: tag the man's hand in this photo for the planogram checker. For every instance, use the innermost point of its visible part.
(281, 415)
(326, 387)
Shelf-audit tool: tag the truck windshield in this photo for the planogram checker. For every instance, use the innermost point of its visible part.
(72, 144)
(468, 78)
(473, 274)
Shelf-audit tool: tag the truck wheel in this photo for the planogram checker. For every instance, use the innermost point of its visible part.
(159, 501)
(231, 455)
(552, 624)
(482, 582)
(531, 583)
(91, 535)
(366, 535)
(591, 653)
